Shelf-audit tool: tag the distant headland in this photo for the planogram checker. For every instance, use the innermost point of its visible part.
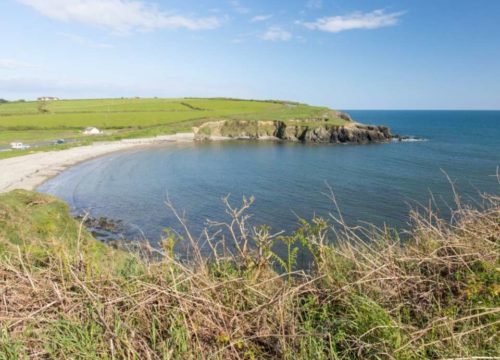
(33, 133)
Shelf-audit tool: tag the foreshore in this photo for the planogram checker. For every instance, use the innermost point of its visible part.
(29, 171)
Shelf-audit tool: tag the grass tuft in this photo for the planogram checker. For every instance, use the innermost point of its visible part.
(368, 295)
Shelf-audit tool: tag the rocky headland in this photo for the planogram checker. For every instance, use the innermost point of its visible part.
(307, 131)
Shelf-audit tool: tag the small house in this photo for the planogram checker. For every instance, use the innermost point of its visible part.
(91, 131)
(47, 98)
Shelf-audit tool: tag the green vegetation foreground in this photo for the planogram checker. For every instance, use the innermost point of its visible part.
(65, 295)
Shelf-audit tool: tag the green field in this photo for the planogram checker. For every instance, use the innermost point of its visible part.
(33, 122)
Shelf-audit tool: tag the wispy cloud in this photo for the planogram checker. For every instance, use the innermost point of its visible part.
(77, 39)
(356, 20)
(28, 84)
(236, 5)
(119, 15)
(15, 65)
(171, 86)
(259, 18)
(275, 33)
(314, 4)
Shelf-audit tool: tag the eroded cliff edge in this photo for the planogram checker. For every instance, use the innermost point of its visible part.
(294, 130)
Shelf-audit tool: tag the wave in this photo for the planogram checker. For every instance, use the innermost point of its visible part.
(410, 139)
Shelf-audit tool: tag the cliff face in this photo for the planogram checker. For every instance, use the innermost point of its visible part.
(280, 130)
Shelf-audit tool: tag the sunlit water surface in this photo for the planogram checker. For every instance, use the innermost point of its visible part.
(377, 183)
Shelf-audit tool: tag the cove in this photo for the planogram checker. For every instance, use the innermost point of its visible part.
(377, 183)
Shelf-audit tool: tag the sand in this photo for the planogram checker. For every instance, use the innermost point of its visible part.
(29, 171)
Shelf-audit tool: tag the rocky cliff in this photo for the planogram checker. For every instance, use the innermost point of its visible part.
(303, 131)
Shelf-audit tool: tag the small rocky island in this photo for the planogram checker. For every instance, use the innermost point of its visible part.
(336, 127)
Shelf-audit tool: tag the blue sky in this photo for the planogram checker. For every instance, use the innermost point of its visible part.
(347, 54)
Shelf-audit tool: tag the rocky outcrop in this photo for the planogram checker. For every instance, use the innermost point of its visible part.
(344, 116)
(293, 131)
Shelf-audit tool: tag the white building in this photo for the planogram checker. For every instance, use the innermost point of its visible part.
(47, 98)
(91, 131)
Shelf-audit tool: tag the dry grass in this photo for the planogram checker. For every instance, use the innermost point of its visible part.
(371, 295)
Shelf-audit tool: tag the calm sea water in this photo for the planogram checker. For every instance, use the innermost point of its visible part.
(376, 183)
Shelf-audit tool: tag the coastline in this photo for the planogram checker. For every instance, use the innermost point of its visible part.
(29, 171)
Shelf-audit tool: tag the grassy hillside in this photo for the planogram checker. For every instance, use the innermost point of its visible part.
(64, 295)
(37, 223)
(35, 122)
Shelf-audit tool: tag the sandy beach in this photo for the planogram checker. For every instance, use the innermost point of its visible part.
(29, 171)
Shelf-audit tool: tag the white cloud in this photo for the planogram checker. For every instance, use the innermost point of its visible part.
(31, 87)
(28, 84)
(259, 18)
(14, 65)
(238, 7)
(77, 39)
(275, 33)
(118, 15)
(170, 86)
(314, 4)
(356, 20)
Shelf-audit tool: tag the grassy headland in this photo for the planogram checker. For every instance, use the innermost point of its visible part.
(368, 296)
(33, 122)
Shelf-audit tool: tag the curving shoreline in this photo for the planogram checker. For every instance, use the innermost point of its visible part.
(29, 171)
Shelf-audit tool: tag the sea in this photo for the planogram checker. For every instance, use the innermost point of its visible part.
(453, 152)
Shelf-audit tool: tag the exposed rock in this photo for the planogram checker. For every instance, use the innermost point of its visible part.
(344, 116)
(407, 138)
(289, 131)
(102, 228)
